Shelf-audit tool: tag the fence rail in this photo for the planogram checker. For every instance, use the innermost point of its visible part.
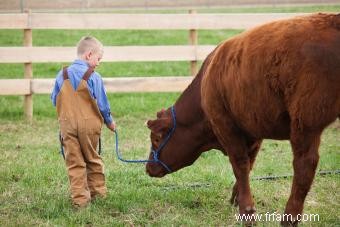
(95, 5)
(192, 52)
(112, 53)
(130, 84)
(136, 21)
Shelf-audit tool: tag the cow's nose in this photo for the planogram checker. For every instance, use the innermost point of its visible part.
(148, 170)
(154, 170)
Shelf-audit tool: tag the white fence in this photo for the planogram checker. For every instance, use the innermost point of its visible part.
(191, 52)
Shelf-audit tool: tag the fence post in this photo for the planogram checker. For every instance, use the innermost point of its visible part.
(193, 41)
(28, 73)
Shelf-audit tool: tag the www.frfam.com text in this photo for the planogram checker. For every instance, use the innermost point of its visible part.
(270, 217)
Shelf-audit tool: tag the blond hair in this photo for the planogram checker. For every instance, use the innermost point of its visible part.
(89, 43)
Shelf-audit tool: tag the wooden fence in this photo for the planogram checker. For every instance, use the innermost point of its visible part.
(192, 52)
(97, 6)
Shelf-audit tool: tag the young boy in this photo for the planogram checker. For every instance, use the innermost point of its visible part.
(82, 107)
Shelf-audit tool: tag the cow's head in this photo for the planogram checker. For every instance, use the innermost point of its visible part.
(176, 143)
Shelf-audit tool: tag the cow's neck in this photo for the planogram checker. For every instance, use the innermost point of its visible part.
(188, 106)
(189, 110)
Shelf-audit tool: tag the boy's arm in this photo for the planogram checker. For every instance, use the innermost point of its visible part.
(102, 102)
(56, 89)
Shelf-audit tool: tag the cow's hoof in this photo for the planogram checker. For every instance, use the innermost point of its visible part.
(250, 211)
(249, 216)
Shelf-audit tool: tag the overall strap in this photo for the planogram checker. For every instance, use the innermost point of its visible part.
(88, 74)
(65, 74)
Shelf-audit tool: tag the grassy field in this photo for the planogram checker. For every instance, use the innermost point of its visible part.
(33, 180)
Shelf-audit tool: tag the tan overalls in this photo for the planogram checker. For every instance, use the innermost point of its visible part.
(80, 124)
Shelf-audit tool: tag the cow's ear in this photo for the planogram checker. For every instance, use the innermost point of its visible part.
(160, 113)
(158, 126)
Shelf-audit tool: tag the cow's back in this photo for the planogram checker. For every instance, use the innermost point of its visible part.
(269, 75)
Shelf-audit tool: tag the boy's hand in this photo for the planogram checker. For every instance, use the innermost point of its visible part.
(111, 126)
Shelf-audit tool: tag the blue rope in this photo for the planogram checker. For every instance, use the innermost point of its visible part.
(155, 153)
(61, 145)
(155, 156)
(120, 156)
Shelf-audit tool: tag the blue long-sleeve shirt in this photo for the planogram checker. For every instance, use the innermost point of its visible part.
(95, 85)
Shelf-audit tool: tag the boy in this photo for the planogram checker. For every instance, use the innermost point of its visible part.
(82, 106)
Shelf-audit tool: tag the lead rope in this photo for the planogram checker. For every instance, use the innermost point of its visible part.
(120, 157)
(155, 156)
(155, 152)
(61, 145)
(269, 177)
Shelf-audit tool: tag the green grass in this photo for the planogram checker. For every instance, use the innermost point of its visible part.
(34, 184)
(33, 179)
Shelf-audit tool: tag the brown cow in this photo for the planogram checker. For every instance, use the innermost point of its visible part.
(276, 81)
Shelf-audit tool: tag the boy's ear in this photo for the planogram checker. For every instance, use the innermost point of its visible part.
(88, 55)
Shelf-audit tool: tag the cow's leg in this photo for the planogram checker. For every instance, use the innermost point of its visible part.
(235, 144)
(305, 149)
(230, 136)
(254, 149)
(240, 161)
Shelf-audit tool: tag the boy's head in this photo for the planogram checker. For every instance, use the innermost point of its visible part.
(90, 50)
